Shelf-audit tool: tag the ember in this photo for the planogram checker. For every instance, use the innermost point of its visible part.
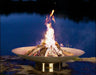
(48, 46)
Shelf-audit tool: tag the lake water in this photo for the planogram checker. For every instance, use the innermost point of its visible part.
(24, 29)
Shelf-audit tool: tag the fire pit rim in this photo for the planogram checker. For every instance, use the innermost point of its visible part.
(82, 52)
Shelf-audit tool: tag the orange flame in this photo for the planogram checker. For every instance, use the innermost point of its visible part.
(49, 39)
(52, 13)
(49, 36)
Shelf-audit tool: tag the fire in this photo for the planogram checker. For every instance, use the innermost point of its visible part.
(49, 36)
(52, 13)
(50, 42)
(48, 47)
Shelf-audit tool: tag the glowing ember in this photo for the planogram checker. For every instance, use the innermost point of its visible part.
(48, 46)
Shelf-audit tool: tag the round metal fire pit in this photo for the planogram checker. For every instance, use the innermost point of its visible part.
(22, 50)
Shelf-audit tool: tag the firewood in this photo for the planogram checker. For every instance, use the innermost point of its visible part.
(43, 51)
(37, 49)
(29, 51)
(43, 42)
(46, 53)
(58, 46)
(52, 54)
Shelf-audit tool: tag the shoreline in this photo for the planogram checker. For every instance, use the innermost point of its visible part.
(13, 57)
(15, 65)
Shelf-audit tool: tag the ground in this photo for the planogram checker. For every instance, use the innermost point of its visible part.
(14, 65)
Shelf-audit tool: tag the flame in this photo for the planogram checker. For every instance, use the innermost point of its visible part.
(61, 45)
(49, 39)
(52, 13)
(49, 36)
(49, 47)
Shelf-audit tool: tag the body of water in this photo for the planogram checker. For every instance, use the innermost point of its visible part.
(23, 29)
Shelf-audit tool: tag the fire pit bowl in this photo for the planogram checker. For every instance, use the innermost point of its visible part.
(22, 50)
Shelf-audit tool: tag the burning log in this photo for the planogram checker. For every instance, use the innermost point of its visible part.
(58, 46)
(29, 51)
(37, 49)
(42, 50)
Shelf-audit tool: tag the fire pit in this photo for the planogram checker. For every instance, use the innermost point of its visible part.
(48, 51)
(22, 51)
(49, 60)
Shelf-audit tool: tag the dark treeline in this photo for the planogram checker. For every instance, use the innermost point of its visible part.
(76, 10)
